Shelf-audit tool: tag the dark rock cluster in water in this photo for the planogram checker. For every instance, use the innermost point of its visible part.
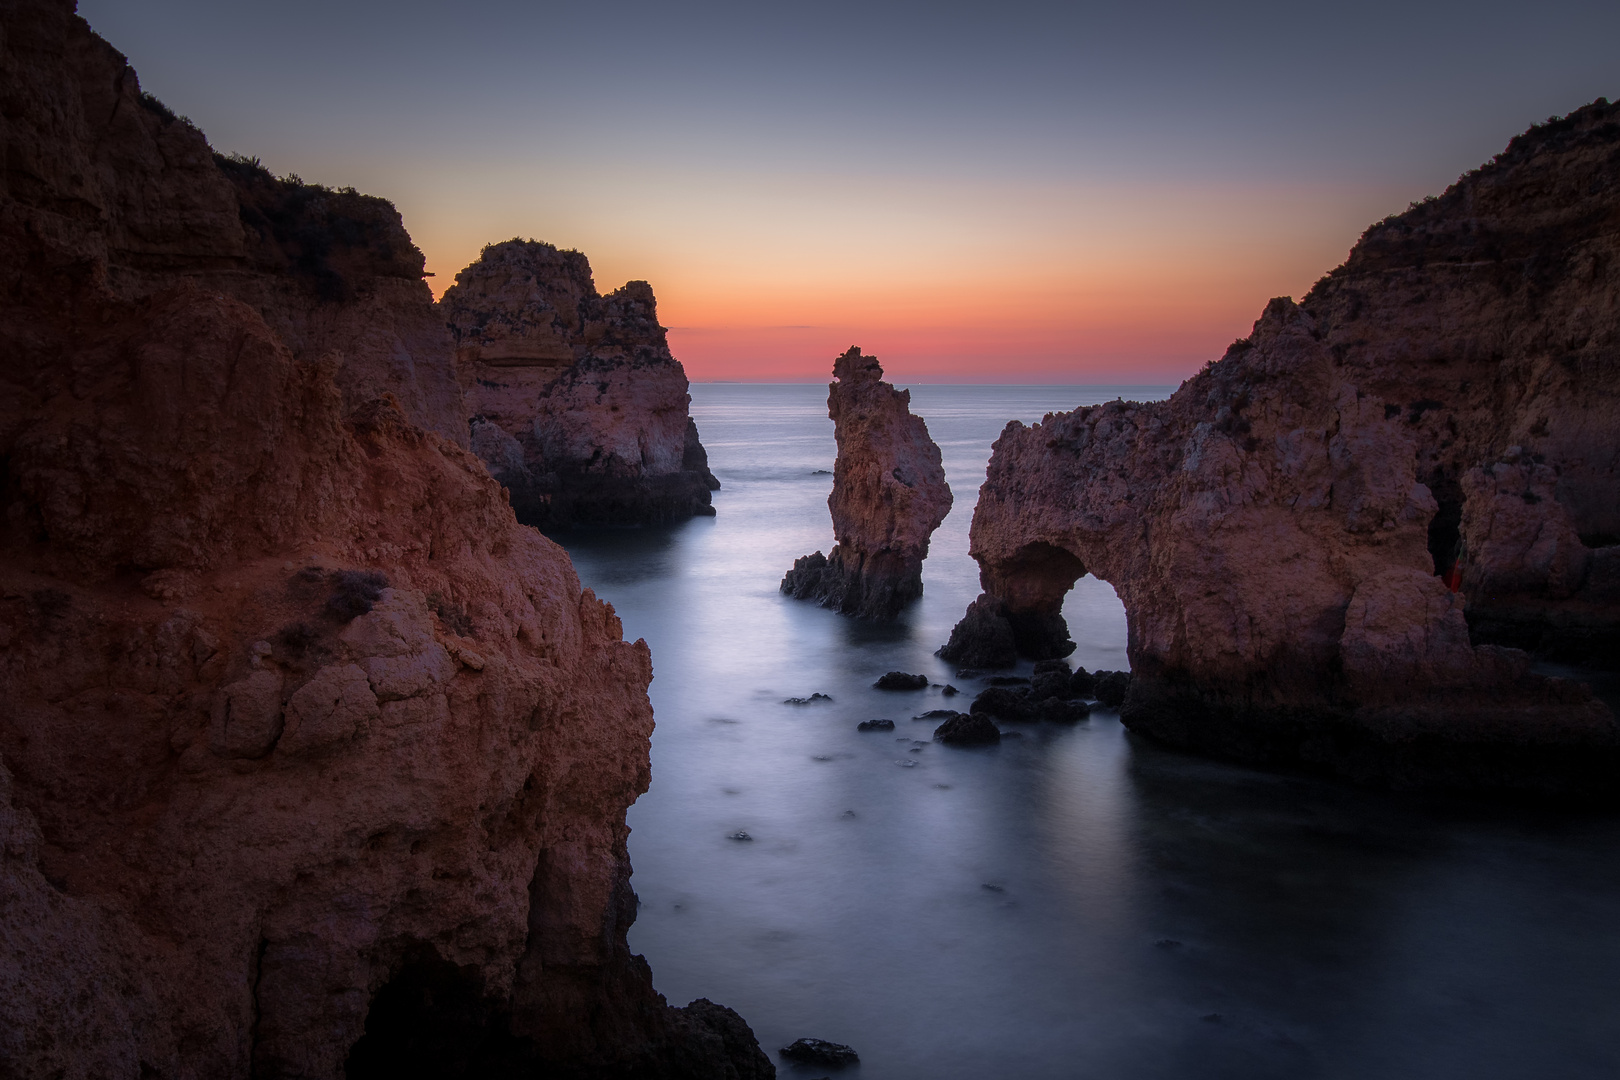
(1054, 694)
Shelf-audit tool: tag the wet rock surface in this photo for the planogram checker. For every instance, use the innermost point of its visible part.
(578, 407)
(1323, 540)
(889, 495)
(875, 725)
(305, 737)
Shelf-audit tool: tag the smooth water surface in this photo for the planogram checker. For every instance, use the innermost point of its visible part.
(1075, 902)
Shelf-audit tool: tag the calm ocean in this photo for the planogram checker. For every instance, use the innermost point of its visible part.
(1075, 902)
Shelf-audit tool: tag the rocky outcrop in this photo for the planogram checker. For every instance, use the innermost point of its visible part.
(577, 405)
(1443, 408)
(889, 495)
(313, 761)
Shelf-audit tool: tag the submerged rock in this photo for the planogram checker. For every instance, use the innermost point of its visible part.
(899, 680)
(1330, 542)
(811, 700)
(889, 495)
(875, 725)
(577, 404)
(1058, 711)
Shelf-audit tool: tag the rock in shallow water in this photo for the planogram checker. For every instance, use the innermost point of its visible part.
(971, 729)
(1005, 704)
(899, 680)
(820, 1052)
(1111, 687)
(889, 495)
(875, 725)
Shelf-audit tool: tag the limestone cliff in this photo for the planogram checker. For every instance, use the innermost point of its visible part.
(1443, 408)
(578, 406)
(312, 759)
(889, 495)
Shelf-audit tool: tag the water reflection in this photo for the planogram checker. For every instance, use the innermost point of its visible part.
(1073, 902)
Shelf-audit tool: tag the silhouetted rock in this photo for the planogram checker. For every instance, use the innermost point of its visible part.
(1082, 683)
(948, 691)
(899, 680)
(811, 700)
(578, 406)
(888, 497)
(1111, 687)
(875, 725)
(968, 730)
(1323, 540)
(937, 714)
(1047, 684)
(1048, 667)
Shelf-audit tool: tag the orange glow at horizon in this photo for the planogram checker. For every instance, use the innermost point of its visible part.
(954, 282)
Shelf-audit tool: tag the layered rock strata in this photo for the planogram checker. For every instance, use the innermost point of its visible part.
(577, 404)
(1324, 540)
(313, 761)
(889, 495)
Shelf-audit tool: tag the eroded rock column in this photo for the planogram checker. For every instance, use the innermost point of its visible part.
(889, 495)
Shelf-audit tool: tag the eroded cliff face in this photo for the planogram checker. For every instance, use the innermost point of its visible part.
(889, 495)
(311, 756)
(1443, 407)
(578, 406)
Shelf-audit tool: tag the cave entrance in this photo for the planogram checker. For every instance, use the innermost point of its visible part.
(432, 1020)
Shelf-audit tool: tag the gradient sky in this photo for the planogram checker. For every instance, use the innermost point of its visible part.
(1000, 192)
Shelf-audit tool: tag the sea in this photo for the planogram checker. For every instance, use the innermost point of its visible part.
(1077, 901)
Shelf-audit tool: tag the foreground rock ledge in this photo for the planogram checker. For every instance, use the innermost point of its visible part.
(313, 762)
(1444, 407)
(889, 495)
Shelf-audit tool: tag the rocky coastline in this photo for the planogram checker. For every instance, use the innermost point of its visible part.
(576, 403)
(1334, 544)
(315, 761)
(889, 495)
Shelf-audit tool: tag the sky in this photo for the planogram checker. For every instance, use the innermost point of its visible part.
(1009, 192)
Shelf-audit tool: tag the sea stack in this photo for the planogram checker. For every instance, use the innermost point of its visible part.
(577, 404)
(313, 761)
(1333, 544)
(889, 495)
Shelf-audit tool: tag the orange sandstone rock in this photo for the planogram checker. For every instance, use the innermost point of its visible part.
(1281, 529)
(578, 405)
(889, 495)
(312, 758)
